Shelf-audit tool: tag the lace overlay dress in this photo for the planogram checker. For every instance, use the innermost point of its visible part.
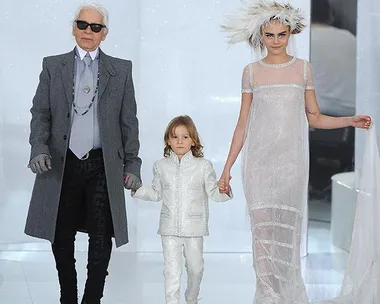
(275, 162)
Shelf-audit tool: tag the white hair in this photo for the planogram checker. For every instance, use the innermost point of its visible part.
(96, 7)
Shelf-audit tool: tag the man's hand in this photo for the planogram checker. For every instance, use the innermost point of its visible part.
(131, 182)
(40, 163)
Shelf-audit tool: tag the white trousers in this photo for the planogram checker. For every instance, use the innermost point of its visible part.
(174, 248)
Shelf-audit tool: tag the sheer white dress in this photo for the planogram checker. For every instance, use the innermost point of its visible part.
(275, 162)
(275, 175)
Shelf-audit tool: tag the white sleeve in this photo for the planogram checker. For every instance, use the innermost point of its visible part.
(211, 185)
(308, 76)
(247, 81)
(153, 192)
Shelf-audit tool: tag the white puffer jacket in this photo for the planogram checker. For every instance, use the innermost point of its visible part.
(184, 187)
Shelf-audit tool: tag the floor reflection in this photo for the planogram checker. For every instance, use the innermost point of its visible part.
(29, 277)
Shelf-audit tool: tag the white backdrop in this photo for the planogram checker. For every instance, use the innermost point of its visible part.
(182, 65)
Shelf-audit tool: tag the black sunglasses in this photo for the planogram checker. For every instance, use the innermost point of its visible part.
(95, 27)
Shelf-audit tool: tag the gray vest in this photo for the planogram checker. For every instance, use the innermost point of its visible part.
(79, 67)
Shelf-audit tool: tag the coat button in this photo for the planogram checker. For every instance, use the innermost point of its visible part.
(64, 137)
(62, 159)
(68, 115)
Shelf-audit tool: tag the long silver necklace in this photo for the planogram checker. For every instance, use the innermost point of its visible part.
(86, 89)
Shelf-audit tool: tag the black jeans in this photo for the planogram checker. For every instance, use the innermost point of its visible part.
(84, 204)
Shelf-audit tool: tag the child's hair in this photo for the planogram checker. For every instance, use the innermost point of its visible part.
(188, 123)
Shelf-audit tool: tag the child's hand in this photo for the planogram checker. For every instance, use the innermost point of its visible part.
(224, 182)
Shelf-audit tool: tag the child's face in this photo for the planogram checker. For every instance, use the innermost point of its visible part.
(180, 141)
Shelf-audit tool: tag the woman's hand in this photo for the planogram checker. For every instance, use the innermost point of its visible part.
(224, 182)
(361, 121)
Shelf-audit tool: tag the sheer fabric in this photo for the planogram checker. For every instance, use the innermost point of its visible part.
(275, 167)
(361, 282)
(275, 176)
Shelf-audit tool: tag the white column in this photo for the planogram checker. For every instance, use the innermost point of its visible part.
(368, 71)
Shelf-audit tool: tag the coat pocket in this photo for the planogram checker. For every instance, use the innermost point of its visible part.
(195, 215)
(165, 212)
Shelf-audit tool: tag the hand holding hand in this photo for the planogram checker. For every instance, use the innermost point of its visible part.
(131, 182)
(224, 182)
(361, 121)
(40, 163)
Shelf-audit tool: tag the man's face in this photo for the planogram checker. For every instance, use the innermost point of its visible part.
(87, 39)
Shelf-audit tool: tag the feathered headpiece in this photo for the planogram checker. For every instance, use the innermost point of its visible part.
(247, 24)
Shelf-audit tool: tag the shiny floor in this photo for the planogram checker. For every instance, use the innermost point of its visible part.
(29, 277)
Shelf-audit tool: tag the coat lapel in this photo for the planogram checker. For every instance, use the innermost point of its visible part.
(68, 76)
(105, 71)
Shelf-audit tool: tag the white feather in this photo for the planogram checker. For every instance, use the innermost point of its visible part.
(247, 23)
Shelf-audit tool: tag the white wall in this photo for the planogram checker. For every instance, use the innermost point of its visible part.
(182, 65)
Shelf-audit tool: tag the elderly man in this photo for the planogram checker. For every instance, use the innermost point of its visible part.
(84, 140)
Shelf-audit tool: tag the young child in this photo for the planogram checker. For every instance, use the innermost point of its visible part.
(184, 181)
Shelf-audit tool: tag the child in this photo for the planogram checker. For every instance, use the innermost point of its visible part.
(184, 181)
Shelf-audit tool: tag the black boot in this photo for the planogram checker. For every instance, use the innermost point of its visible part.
(65, 264)
(99, 255)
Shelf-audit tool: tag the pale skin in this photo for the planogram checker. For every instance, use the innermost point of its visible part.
(275, 38)
(87, 39)
(180, 141)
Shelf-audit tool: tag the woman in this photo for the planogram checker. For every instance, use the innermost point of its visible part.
(278, 106)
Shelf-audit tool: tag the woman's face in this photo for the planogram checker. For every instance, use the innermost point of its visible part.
(276, 37)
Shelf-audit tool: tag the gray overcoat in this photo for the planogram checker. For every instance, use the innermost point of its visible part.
(50, 131)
